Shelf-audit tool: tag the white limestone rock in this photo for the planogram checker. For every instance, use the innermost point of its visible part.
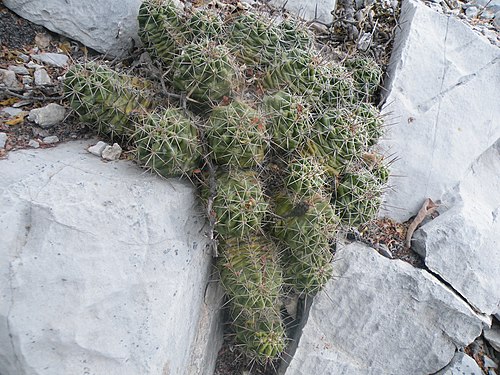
(111, 152)
(48, 116)
(19, 69)
(98, 148)
(319, 10)
(382, 317)
(462, 364)
(493, 337)
(3, 139)
(462, 244)
(443, 101)
(109, 27)
(51, 139)
(42, 78)
(103, 268)
(53, 59)
(8, 79)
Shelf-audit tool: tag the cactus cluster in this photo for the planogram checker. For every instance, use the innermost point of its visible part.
(100, 95)
(284, 157)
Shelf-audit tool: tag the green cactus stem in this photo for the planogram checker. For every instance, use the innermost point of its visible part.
(167, 143)
(237, 135)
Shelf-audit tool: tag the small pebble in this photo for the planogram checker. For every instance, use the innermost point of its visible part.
(42, 77)
(19, 69)
(27, 80)
(33, 143)
(487, 14)
(496, 20)
(51, 139)
(53, 59)
(24, 57)
(471, 12)
(40, 133)
(33, 65)
(384, 250)
(3, 140)
(488, 362)
(12, 112)
(98, 148)
(47, 116)
(8, 78)
(112, 152)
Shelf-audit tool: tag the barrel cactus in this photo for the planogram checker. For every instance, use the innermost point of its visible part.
(358, 197)
(237, 136)
(306, 229)
(205, 72)
(254, 39)
(203, 24)
(288, 151)
(290, 118)
(306, 177)
(167, 142)
(239, 206)
(106, 98)
(252, 277)
(367, 75)
(160, 29)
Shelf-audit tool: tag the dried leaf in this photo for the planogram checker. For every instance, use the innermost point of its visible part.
(65, 47)
(8, 102)
(16, 120)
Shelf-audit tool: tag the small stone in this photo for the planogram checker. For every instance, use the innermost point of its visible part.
(471, 12)
(493, 337)
(18, 69)
(47, 116)
(12, 112)
(51, 139)
(488, 362)
(496, 20)
(98, 148)
(24, 57)
(33, 65)
(33, 143)
(42, 77)
(3, 140)
(53, 59)
(27, 80)
(384, 250)
(487, 14)
(22, 103)
(112, 152)
(8, 78)
(40, 133)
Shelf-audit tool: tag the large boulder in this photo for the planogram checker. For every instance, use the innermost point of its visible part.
(108, 26)
(442, 103)
(462, 244)
(103, 269)
(380, 316)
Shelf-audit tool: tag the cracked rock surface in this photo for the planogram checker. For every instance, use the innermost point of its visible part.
(380, 316)
(443, 100)
(103, 269)
(462, 244)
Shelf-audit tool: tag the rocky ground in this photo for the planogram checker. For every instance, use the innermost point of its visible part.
(33, 112)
